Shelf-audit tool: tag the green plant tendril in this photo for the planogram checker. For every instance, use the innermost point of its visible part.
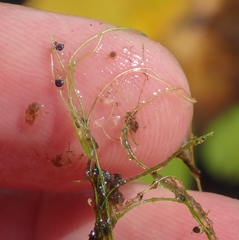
(109, 206)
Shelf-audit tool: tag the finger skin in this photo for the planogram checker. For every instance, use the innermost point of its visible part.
(168, 220)
(27, 151)
(47, 155)
(36, 215)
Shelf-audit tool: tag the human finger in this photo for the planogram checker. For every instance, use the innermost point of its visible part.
(39, 147)
(38, 215)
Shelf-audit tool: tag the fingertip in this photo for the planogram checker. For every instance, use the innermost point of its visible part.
(48, 151)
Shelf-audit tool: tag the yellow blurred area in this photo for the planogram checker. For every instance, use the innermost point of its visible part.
(152, 17)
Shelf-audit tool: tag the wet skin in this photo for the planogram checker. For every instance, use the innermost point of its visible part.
(39, 199)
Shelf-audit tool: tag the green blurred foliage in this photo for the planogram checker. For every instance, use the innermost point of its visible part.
(220, 155)
(177, 169)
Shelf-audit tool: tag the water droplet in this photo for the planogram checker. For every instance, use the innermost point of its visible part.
(99, 122)
(125, 50)
(136, 69)
(134, 149)
(135, 63)
(108, 100)
(116, 119)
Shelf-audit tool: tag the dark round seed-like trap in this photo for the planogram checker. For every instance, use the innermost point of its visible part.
(196, 230)
(59, 82)
(58, 46)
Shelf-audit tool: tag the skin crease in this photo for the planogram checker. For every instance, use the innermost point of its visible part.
(56, 208)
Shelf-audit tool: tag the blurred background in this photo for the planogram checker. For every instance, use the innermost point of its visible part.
(204, 36)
